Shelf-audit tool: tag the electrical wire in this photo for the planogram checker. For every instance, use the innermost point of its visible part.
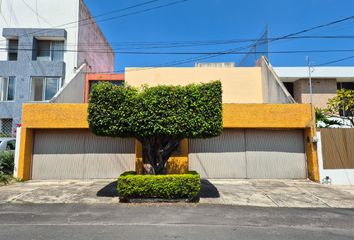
(334, 61)
(228, 51)
(187, 53)
(185, 44)
(104, 14)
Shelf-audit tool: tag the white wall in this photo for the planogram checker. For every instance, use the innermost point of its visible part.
(17, 151)
(273, 89)
(51, 13)
(73, 90)
(336, 176)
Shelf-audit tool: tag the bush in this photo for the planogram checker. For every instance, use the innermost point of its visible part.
(174, 186)
(4, 178)
(7, 162)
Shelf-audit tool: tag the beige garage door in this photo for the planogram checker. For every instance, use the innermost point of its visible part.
(219, 157)
(78, 154)
(250, 153)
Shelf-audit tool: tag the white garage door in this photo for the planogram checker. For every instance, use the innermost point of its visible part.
(250, 153)
(78, 154)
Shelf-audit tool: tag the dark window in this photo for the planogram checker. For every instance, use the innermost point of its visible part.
(290, 87)
(50, 50)
(43, 50)
(13, 50)
(114, 82)
(345, 85)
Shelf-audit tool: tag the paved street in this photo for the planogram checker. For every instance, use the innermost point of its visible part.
(90, 210)
(171, 221)
(263, 193)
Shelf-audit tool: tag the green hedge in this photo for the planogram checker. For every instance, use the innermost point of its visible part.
(173, 186)
(7, 162)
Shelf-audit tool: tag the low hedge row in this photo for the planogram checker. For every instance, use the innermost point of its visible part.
(173, 186)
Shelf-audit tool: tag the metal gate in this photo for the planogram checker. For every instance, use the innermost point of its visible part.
(78, 154)
(250, 153)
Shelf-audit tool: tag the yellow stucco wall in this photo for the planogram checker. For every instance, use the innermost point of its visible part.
(311, 155)
(234, 115)
(25, 158)
(239, 85)
(49, 115)
(266, 115)
(64, 116)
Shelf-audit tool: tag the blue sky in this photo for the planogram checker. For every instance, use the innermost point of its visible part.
(205, 20)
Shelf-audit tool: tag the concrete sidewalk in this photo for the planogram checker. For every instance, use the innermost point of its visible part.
(277, 193)
(263, 193)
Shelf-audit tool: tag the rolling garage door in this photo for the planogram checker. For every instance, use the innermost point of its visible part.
(78, 154)
(250, 153)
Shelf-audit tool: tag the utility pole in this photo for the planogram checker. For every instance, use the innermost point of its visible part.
(310, 88)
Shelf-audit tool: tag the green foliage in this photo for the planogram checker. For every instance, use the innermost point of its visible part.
(321, 116)
(192, 111)
(343, 101)
(7, 162)
(172, 186)
(5, 135)
(4, 178)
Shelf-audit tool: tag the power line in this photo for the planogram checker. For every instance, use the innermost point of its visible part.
(187, 53)
(103, 14)
(228, 51)
(134, 13)
(36, 12)
(263, 42)
(182, 44)
(334, 61)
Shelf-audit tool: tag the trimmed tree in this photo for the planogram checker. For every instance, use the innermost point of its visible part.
(158, 117)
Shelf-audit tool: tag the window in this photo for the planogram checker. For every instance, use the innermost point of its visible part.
(290, 87)
(43, 50)
(345, 85)
(13, 49)
(43, 88)
(50, 50)
(114, 82)
(7, 88)
(6, 127)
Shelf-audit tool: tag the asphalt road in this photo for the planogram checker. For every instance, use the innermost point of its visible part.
(169, 221)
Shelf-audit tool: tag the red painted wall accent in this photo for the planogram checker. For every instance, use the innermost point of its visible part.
(101, 77)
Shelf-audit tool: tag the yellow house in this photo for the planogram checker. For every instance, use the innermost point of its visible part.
(265, 134)
(239, 84)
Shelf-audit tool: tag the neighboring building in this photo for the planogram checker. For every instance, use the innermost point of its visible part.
(48, 43)
(325, 82)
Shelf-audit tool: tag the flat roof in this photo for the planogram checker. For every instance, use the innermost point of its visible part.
(317, 72)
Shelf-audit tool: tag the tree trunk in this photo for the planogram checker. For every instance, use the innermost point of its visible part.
(156, 152)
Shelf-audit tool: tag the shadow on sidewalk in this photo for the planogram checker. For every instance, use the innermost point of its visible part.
(208, 190)
(109, 190)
